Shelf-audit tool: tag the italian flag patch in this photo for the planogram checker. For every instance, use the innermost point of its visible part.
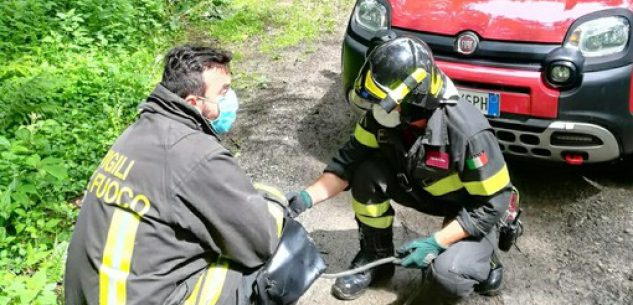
(477, 161)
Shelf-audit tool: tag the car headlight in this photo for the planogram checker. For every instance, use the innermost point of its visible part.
(600, 37)
(371, 15)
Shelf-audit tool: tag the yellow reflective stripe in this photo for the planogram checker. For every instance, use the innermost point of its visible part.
(277, 194)
(273, 208)
(278, 215)
(373, 210)
(209, 286)
(214, 282)
(365, 137)
(371, 86)
(445, 185)
(419, 75)
(402, 90)
(436, 84)
(193, 297)
(491, 185)
(379, 223)
(117, 257)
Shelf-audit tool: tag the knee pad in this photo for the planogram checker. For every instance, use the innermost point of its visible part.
(369, 183)
(447, 284)
(464, 261)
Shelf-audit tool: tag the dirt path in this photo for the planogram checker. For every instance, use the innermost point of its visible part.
(578, 247)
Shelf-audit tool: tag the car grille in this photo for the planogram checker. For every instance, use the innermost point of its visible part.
(490, 87)
(490, 53)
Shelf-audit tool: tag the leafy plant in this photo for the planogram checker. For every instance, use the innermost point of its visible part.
(36, 289)
(73, 73)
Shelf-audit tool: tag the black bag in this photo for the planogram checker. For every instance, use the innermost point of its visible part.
(293, 268)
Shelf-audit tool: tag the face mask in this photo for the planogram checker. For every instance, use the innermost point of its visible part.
(391, 119)
(227, 105)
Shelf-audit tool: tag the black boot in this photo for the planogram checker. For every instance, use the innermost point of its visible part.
(374, 244)
(492, 285)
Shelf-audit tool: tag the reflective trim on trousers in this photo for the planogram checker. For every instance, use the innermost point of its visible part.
(371, 210)
(209, 286)
(376, 222)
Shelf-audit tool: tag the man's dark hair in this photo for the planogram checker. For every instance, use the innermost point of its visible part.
(184, 66)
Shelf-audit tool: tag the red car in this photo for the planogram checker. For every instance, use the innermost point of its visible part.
(552, 76)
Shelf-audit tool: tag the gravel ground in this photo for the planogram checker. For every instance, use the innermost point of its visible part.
(578, 244)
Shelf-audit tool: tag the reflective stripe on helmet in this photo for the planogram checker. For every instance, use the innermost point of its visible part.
(372, 87)
(419, 75)
(396, 96)
(436, 84)
(408, 84)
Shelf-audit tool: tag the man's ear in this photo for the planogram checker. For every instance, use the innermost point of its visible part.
(191, 100)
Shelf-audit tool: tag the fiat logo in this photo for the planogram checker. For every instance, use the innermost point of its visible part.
(466, 43)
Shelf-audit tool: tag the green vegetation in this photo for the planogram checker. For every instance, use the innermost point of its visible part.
(72, 74)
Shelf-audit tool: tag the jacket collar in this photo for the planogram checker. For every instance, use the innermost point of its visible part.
(166, 103)
(436, 133)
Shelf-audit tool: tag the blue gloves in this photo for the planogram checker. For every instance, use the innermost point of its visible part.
(298, 202)
(421, 252)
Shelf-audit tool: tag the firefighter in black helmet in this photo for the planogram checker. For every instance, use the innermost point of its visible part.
(423, 147)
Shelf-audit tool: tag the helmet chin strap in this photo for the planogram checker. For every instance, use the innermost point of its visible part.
(411, 114)
(447, 94)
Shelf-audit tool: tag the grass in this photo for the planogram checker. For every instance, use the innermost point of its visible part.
(253, 28)
(273, 25)
(74, 72)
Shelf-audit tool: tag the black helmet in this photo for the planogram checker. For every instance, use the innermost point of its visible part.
(401, 71)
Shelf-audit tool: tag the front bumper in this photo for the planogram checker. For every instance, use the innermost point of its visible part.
(588, 124)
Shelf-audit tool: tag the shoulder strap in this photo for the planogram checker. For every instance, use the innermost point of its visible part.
(392, 148)
(436, 133)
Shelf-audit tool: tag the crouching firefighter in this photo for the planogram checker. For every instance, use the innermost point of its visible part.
(169, 217)
(423, 147)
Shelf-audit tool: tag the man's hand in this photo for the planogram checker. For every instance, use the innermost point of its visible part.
(298, 202)
(422, 252)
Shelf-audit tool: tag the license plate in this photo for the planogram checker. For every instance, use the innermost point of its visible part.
(489, 103)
